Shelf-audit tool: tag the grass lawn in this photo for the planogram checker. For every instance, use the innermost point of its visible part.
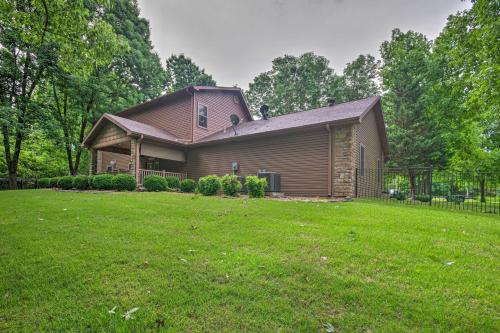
(191, 264)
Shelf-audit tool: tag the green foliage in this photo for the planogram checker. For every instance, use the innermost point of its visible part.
(102, 182)
(173, 182)
(455, 198)
(183, 72)
(140, 66)
(54, 182)
(231, 186)
(44, 183)
(39, 157)
(33, 38)
(404, 74)
(188, 185)
(360, 78)
(209, 185)
(155, 183)
(66, 182)
(124, 182)
(423, 197)
(400, 196)
(81, 182)
(255, 186)
(294, 84)
(464, 96)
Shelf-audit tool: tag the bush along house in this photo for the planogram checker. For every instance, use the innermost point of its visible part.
(199, 131)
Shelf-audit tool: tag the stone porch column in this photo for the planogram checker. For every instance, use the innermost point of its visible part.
(343, 172)
(93, 161)
(135, 156)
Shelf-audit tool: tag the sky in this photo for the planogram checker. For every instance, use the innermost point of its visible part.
(235, 40)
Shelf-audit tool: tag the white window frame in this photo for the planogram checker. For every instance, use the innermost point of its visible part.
(198, 115)
(362, 159)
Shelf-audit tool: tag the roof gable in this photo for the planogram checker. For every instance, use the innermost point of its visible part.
(132, 128)
(186, 93)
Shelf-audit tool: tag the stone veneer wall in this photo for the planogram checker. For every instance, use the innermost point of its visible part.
(133, 157)
(343, 169)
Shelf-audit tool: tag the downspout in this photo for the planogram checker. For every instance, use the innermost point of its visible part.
(329, 159)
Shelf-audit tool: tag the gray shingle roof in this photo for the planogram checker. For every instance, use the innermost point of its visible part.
(341, 112)
(345, 112)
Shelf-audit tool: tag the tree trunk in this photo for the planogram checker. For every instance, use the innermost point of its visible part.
(481, 184)
(13, 181)
(413, 183)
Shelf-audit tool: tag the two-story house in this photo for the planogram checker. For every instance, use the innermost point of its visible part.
(189, 133)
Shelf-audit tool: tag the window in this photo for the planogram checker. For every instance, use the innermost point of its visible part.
(202, 116)
(362, 161)
(152, 164)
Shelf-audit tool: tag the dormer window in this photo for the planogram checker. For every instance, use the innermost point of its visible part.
(202, 116)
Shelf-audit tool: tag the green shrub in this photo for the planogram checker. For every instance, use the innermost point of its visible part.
(103, 182)
(54, 182)
(44, 183)
(91, 181)
(81, 182)
(188, 185)
(66, 182)
(401, 196)
(155, 183)
(457, 198)
(124, 182)
(209, 185)
(231, 186)
(256, 186)
(423, 198)
(173, 182)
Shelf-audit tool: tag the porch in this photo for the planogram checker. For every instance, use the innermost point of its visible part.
(115, 149)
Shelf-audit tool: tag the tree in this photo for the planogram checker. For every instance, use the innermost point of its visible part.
(294, 84)
(414, 136)
(465, 86)
(183, 72)
(115, 68)
(361, 78)
(31, 34)
(139, 68)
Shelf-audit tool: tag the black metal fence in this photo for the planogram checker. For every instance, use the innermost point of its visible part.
(22, 183)
(424, 186)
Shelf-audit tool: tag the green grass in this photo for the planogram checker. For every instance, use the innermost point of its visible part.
(193, 264)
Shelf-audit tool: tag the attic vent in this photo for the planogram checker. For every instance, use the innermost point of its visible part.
(236, 99)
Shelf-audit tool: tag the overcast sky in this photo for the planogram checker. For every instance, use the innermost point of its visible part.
(234, 40)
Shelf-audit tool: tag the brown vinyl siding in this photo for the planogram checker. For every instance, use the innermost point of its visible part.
(104, 158)
(220, 106)
(109, 134)
(174, 117)
(301, 158)
(367, 134)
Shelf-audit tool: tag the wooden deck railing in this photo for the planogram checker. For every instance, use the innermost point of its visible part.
(144, 173)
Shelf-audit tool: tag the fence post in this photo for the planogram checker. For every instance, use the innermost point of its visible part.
(430, 185)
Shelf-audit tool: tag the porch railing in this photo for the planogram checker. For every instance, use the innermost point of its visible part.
(144, 173)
